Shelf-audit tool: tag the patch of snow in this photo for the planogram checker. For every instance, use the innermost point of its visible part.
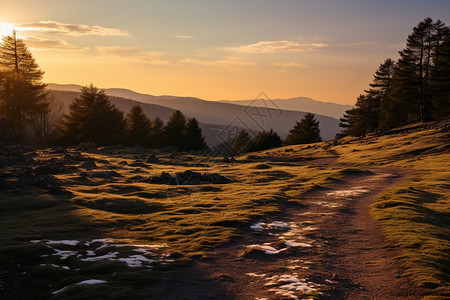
(92, 281)
(135, 260)
(35, 241)
(258, 226)
(349, 193)
(267, 249)
(104, 241)
(63, 242)
(89, 282)
(255, 275)
(64, 254)
(110, 255)
(296, 244)
(90, 253)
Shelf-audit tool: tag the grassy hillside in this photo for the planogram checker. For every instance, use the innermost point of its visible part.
(112, 221)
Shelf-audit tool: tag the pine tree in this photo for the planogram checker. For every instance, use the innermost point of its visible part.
(173, 131)
(138, 127)
(241, 143)
(440, 81)
(411, 77)
(304, 132)
(157, 133)
(22, 93)
(379, 92)
(92, 118)
(193, 137)
(347, 122)
(266, 140)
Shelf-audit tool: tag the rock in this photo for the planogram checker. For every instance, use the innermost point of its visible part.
(104, 174)
(152, 159)
(7, 132)
(87, 147)
(288, 150)
(262, 167)
(188, 177)
(215, 178)
(50, 166)
(58, 149)
(49, 183)
(138, 164)
(225, 159)
(123, 163)
(89, 164)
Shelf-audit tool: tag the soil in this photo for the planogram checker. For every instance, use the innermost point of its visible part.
(324, 245)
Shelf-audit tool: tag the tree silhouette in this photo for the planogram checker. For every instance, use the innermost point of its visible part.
(138, 127)
(174, 129)
(440, 81)
(157, 133)
(241, 142)
(193, 137)
(92, 118)
(265, 140)
(22, 93)
(304, 132)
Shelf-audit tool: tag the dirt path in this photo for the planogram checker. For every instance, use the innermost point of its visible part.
(328, 245)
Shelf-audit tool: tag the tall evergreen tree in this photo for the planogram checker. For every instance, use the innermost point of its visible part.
(174, 129)
(92, 118)
(241, 143)
(346, 123)
(410, 86)
(440, 81)
(157, 133)
(380, 92)
(193, 137)
(266, 140)
(304, 132)
(138, 127)
(22, 93)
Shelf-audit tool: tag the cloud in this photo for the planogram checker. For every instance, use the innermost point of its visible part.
(181, 36)
(280, 47)
(133, 54)
(226, 62)
(69, 29)
(46, 44)
(118, 51)
(291, 65)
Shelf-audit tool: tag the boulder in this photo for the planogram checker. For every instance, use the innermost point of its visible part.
(152, 159)
(89, 164)
(215, 178)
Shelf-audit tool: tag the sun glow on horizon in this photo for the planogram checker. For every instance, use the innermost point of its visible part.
(6, 29)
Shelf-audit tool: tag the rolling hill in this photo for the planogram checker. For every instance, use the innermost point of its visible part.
(227, 118)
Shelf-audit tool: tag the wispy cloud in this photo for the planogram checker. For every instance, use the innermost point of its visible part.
(46, 44)
(182, 36)
(118, 51)
(291, 65)
(69, 29)
(226, 62)
(133, 54)
(279, 47)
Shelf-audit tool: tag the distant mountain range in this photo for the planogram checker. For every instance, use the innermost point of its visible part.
(220, 120)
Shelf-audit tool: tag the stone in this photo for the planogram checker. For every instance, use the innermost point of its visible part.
(262, 167)
(89, 164)
(215, 178)
(152, 159)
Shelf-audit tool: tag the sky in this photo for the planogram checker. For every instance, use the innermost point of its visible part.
(215, 50)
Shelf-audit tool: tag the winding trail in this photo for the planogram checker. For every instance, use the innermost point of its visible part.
(328, 245)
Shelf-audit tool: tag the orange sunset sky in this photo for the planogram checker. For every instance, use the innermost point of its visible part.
(215, 50)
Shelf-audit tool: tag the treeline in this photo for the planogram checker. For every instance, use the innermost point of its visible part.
(304, 132)
(415, 88)
(37, 119)
(93, 118)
